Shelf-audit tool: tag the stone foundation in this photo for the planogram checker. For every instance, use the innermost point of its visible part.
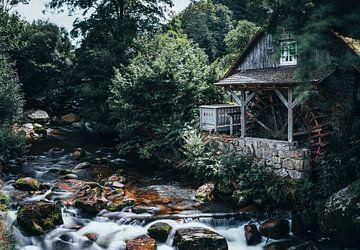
(283, 158)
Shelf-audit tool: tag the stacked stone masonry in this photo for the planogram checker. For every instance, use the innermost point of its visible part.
(283, 158)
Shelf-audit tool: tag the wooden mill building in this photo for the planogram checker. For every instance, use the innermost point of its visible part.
(273, 102)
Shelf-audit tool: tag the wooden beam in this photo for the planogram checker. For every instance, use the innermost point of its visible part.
(236, 98)
(281, 96)
(243, 123)
(251, 96)
(290, 115)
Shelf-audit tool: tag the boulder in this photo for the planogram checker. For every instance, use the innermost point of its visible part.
(252, 235)
(39, 217)
(205, 192)
(90, 199)
(3, 202)
(27, 184)
(82, 165)
(159, 231)
(199, 238)
(40, 116)
(341, 214)
(70, 118)
(291, 245)
(119, 203)
(142, 243)
(79, 153)
(275, 228)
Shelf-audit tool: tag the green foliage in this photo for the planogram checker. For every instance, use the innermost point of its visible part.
(108, 35)
(235, 40)
(11, 145)
(11, 102)
(11, 98)
(158, 93)
(256, 11)
(207, 24)
(44, 65)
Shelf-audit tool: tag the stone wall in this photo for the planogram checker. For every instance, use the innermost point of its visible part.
(283, 158)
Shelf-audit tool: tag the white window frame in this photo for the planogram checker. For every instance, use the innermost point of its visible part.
(288, 57)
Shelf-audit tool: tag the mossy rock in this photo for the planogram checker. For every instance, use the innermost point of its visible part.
(27, 184)
(205, 192)
(159, 231)
(120, 205)
(39, 217)
(340, 217)
(3, 198)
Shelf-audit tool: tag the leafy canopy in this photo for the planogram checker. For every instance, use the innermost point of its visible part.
(207, 24)
(158, 93)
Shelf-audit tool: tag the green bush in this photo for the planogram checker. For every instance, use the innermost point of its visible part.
(11, 102)
(11, 145)
(11, 98)
(158, 94)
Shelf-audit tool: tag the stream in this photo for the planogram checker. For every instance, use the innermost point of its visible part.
(160, 196)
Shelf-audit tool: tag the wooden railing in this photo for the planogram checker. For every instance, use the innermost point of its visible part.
(219, 117)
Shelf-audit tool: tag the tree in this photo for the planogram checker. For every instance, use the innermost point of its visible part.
(207, 24)
(158, 93)
(11, 98)
(235, 41)
(108, 33)
(11, 102)
(44, 63)
(256, 11)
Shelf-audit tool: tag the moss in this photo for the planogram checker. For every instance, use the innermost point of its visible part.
(3, 208)
(159, 231)
(3, 198)
(27, 184)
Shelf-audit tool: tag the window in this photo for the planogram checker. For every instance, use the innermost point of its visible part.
(288, 53)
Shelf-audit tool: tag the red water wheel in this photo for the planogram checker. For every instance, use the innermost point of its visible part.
(267, 118)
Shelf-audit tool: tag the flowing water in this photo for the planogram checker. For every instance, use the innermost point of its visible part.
(170, 196)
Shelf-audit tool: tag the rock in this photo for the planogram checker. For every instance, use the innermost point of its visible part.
(121, 203)
(252, 235)
(90, 199)
(40, 116)
(159, 231)
(70, 118)
(78, 153)
(69, 176)
(144, 209)
(199, 238)
(27, 184)
(275, 228)
(341, 214)
(205, 192)
(39, 217)
(100, 161)
(3, 202)
(92, 236)
(291, 245)
(77, 124)
(56, 152)
(82, 165)
(240, 198)
(117, 184)
(143, 243)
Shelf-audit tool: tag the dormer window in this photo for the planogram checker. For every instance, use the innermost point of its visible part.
(288, 53)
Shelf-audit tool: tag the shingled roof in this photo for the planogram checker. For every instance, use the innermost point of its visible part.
(282, 76)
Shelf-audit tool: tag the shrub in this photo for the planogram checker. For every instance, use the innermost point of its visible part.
(11, 145)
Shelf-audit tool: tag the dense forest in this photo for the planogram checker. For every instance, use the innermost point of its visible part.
(141, 71)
